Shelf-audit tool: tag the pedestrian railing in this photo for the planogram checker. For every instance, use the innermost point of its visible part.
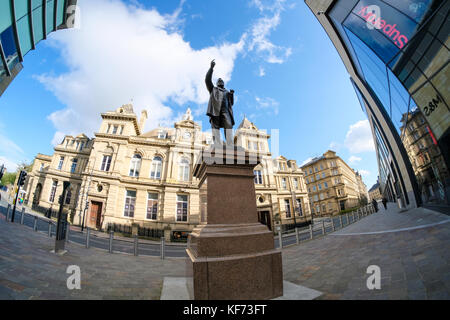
(314, 230)
(322, 227)
(48, 226)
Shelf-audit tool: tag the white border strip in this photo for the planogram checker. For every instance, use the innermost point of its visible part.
(390, 231)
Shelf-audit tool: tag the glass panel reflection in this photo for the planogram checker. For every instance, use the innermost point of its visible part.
(9, 47)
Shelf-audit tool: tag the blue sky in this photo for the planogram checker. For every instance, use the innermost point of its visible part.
(275, 55)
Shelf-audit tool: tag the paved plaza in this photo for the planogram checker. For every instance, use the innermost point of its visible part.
(411, 248)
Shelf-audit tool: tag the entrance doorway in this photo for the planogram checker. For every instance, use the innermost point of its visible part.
(264, 218)
(95, 215)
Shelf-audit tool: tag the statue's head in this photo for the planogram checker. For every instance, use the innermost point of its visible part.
(220, 83)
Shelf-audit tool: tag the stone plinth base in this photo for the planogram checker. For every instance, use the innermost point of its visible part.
(245, 276)
(231, 254)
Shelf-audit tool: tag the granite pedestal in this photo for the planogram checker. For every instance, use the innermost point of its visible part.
(231, 254)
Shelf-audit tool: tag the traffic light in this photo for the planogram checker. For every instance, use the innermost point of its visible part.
(22, 177)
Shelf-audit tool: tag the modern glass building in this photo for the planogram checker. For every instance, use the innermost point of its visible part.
(23, 23)
(397, 54)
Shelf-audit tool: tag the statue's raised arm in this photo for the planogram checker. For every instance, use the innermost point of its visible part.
(208, 78)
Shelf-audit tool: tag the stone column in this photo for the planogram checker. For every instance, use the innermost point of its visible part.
(231, 254)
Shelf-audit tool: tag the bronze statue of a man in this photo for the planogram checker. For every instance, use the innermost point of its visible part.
(220, 108)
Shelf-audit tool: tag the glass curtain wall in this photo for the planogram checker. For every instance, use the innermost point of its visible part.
(401, 50)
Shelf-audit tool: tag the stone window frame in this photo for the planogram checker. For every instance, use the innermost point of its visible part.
(187, 207)
(53, 189)
(61, 162)
(135, 165)
(147, 205)
(287, 208)
(184, 166)
(154, 166)
(74, 165)
(129, 216)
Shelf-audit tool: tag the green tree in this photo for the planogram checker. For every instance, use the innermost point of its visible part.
(8, 178)
(25, 166)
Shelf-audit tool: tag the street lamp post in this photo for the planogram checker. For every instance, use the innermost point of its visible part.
(87, 193)
(294, 203)
(61, 227)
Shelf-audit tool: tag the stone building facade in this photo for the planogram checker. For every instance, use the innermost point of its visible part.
(332, 185)
(374, 192)
(127, 177)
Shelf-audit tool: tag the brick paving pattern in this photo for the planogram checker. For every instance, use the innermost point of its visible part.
(415, 263)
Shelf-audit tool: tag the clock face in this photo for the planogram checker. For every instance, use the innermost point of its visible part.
(187, 135)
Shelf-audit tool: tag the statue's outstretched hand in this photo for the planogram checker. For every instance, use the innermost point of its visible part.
(213, 63)
(232, 91)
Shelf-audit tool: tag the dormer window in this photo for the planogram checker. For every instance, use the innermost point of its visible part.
(121, 129)
(162, 134)
(115, 128)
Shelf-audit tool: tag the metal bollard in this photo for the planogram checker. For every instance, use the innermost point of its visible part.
(22, 213)
(296, 236)
(346, 216)
(135, 245)
(310, 231)
(353, 216)
(35, 223)
(88, 235)
(163, 241)
(332, 224)
(22, 217)
(7, 212)
(67, 232)
(340, 219)
(323, 227)
(111, 238)
(280, 239)
(50, 229)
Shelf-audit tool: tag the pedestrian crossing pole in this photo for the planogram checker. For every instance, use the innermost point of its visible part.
(61, 226)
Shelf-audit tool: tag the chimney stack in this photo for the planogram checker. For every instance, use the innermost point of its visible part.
(143, 120)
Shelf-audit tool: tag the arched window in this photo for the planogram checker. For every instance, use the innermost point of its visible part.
(135, 165)
(155, 172)
(183, 170)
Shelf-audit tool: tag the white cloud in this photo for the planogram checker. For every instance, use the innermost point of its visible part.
(305, 162)
(11, 155)
(354, 159)
(359, 137)
(262, 72)
(364, 173)
(334, 146)
(123, 52)
(11, 166)
(259, 34)
(268, 104)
